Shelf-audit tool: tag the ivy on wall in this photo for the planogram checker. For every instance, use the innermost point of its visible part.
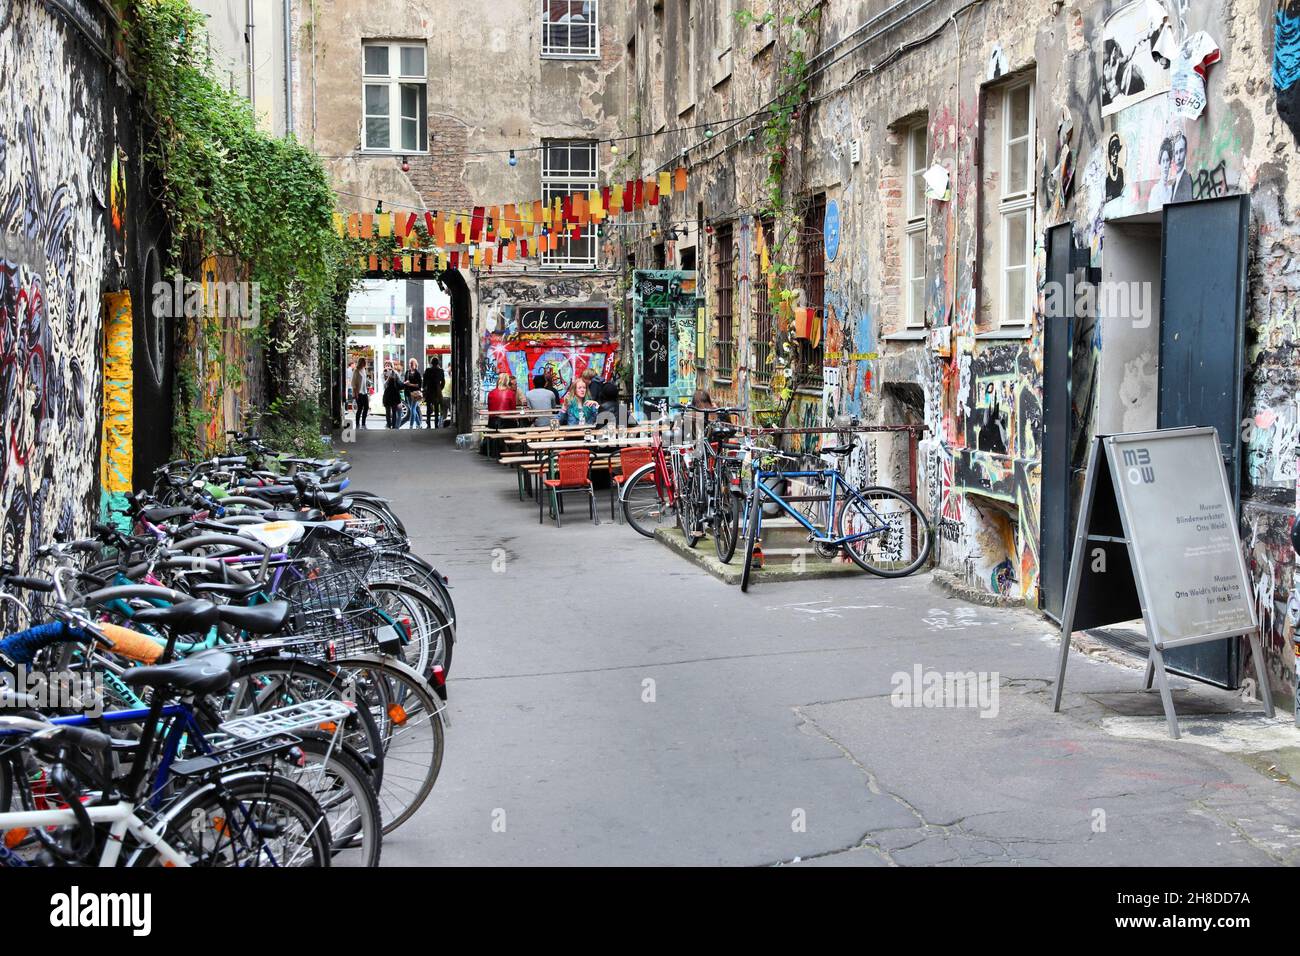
(231, 189)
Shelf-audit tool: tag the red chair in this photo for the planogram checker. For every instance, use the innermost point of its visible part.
(629, 460)
(573, 474)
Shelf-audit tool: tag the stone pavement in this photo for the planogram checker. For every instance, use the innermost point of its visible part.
(614, 704)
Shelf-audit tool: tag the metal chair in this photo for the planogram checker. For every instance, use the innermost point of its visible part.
(573, 474)
(629, 460)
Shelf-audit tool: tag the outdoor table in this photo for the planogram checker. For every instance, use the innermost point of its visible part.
(598, 446)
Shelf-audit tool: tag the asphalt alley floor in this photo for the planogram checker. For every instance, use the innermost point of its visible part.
(613, 704)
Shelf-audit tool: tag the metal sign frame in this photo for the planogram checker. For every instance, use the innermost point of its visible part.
(1111, 446)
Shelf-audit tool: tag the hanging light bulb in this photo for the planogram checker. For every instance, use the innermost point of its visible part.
(513, 160)
(406, 166)
(708, 134)
(613, 148)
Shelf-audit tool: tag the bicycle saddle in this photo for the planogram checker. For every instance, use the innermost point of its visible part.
(236, 592)
(163, 515)
(204, 673)
(840, 449)
(188, 617)
(259, 619)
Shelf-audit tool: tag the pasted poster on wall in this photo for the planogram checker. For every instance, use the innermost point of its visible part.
(516, 351)
(1286, 63)
(1138, 49)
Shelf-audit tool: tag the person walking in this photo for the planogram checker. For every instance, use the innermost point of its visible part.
(392, 397)
(361, 392)
(412, 391)
(434, 382)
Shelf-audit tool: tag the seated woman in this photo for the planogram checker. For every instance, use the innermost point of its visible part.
(503, 398)
(580, 408)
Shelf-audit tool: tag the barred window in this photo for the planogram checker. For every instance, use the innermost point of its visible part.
(570, 29)
(762, 344)
(726, 298)
(568, 167)
(812, 269)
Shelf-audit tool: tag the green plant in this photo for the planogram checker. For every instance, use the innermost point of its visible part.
(231, 189)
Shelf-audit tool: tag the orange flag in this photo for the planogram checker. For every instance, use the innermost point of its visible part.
(616, 199)
(679, 182)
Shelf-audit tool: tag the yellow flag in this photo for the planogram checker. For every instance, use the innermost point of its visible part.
(340, 226)
(616, 199)
(385, 224)
(665, 185)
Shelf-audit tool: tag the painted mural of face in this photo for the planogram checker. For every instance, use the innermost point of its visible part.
(1180, 154)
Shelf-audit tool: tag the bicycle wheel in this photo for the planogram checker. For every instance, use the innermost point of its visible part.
(688, 516)
(726, 520)
(250, 818)
(410, 722)
(385, 526)
(333, 773)
(751, 534)
(645, 506)
(897, 537)
(430, 641)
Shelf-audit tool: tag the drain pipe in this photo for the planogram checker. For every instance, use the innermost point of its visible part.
(288, 68)
(248, 40)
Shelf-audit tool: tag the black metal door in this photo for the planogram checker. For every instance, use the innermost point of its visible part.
(1054, 489)
(1202, 338)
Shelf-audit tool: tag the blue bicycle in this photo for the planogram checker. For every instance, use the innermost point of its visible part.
(880, 529)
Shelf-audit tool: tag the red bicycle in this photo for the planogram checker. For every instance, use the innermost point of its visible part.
(651, 495)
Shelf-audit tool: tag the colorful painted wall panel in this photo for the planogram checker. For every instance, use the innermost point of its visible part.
(116, 445)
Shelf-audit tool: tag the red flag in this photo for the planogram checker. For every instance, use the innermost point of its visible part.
(476, 224)
(523, 248)
(629, 196)
(455, 260)
(428, 223)
(460, 233)
(638, 198)
(604, 200)
(568, 209)
(653, 189)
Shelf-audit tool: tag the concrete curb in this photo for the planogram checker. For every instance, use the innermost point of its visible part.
(947, 581)
(703, 556)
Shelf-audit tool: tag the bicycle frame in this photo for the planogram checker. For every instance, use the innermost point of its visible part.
(122, 817)
(835, 480)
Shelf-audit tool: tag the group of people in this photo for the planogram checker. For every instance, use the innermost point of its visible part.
(399, 388)
(587, 398)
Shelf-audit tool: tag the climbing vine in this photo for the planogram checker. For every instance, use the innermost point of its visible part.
(231, 189)
(778, 135)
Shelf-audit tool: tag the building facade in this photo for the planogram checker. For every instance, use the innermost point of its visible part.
(1018, 224)
(445, 107)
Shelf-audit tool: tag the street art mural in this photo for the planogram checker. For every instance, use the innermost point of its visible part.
(504, 347)
(54, 197)
(665, 313)
(118, 415)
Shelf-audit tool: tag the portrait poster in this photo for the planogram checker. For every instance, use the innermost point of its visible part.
(1138, 50)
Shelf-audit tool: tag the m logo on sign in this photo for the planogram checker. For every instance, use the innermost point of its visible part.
(1140, 471)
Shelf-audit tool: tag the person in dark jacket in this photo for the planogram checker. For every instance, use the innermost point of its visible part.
(434, 382)
(392, 396)
(413, 392)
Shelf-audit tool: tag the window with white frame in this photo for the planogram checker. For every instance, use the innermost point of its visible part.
(914, 229)
(570, 29)
(1016, 205)
(568, 167)
(395, 104)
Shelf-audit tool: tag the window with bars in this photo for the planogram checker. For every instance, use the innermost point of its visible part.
(914, 230)
(725, 342)
(761, 350)
(1016, 207)
(812, 274)
(568, 167)
(394, 98)
(570, 29)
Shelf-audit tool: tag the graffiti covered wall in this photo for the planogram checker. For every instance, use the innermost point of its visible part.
(60, 112)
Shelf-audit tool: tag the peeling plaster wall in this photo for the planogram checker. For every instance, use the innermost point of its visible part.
(979, 395)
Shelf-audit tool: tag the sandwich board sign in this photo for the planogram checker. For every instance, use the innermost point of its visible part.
(1157, 539)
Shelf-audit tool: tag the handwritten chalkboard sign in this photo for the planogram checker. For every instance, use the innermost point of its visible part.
(568, 319)
(654, 350)
(1157, 538)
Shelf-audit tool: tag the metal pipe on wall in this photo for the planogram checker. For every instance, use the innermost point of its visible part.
(288, 67)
